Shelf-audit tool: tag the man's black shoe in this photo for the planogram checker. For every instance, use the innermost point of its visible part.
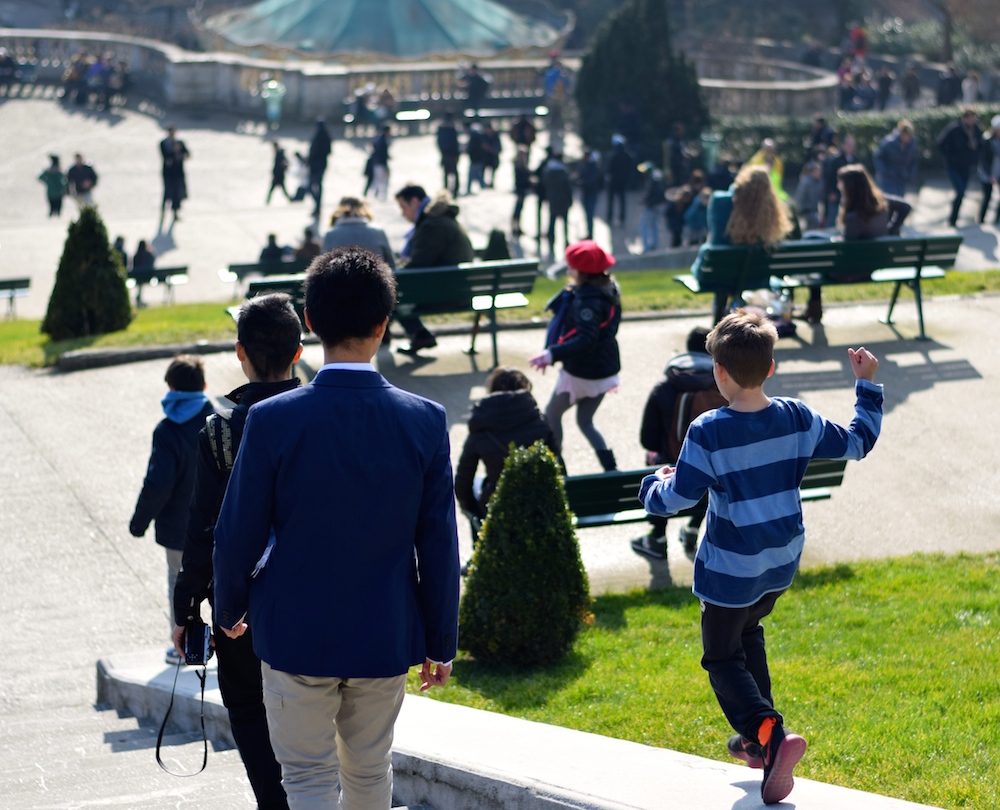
(427, 341)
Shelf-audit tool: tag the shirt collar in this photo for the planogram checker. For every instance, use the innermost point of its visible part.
(348, 367)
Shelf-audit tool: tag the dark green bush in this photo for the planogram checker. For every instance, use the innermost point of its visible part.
(527, 595)
(89, 297)
(741, 136)
(631, 59)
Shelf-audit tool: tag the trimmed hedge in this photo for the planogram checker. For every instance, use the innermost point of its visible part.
(89, 297)
(741, 137)
(527, 594)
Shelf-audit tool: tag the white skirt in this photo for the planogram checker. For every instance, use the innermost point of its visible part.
(579, 388)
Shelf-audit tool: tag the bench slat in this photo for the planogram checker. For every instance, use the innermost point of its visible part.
(602, 499)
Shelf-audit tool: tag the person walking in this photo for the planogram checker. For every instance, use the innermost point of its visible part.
(278, 169)
(56, 185)
(343, 599)
(582, 336)
(989, 167)
(559, 194)
(81, 178)
(319, 154)
(380, 163)
(590, 179)
(174, 153)
(959, 144)
(896, 159)
(448, 146)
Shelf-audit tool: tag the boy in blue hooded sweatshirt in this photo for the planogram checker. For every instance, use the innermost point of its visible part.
(166, 491)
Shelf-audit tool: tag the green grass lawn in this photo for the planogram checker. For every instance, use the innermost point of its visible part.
(888, 668)
(647, 291)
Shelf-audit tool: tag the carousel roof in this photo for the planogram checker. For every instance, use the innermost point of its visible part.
(396, 28)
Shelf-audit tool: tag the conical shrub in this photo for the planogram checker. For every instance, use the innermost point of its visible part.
(526, 595)
(89, 296)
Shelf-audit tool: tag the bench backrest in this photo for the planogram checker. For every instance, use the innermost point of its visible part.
(743, 267)
(282, 268)
(455, 288)
(144, 275)
(617, 492)
(15, 283)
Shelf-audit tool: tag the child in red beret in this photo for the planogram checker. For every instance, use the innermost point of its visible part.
(582, 335)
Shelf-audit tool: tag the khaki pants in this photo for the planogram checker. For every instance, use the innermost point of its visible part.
(333, 734)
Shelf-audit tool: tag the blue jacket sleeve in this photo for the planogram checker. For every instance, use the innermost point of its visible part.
(856, 441)
(438, 564)
(158, 484)
(244, 525)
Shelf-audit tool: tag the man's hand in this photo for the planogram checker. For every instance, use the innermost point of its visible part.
(864, 363)
(432, 675)
(237, 631)
(179, 640)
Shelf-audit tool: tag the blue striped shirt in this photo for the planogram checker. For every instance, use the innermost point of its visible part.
(752, 465)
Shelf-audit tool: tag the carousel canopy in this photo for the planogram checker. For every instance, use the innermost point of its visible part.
(396, 28)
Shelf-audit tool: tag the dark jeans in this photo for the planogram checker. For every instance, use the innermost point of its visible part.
(589, 209)
(959, 181)
(613, 194)
(987, 194)
(736, 662)
(242, 694)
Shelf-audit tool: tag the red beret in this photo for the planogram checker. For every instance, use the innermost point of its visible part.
(588, 257)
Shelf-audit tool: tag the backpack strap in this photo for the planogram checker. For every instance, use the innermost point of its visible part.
(221, 434)
(600, 326)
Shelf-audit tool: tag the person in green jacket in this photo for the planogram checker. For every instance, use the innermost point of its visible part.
(56, 185)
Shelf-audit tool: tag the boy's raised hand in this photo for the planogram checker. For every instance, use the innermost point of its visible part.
(864, 363)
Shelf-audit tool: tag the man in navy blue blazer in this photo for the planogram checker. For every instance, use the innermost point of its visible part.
(337, 543)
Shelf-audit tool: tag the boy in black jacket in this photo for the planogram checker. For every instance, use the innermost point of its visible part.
(685, 373)
(166, 491)
(268, 345)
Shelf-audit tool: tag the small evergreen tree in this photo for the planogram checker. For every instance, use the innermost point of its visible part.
(631, 59)
(527, 595)
(89, 296)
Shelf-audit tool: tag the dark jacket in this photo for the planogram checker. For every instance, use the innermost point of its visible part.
(954, 144)
(586, 348)
(447, 139)
(166, 491)
(496, 421)
(558, 187)
(194, 582)
(439, 240)
(690, 371)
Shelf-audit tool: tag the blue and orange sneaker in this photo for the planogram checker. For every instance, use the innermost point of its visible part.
(781, 752)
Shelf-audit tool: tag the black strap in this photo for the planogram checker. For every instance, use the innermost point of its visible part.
(202, 676)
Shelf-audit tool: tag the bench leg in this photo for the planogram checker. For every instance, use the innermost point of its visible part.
(918, 297)
(719, 306)
(11, 313)
(892, 303)
(493, 334)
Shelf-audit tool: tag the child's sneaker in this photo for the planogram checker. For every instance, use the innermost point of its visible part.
(689, 537)
(649, 546)
(747, 750)
(781, 753)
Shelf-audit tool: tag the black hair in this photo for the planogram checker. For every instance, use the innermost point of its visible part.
(504, 378)
(270, 333)
(411, 192)
(696, 340)
(349, 292)
(186, 372)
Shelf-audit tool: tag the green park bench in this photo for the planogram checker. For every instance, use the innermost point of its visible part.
(609, 498)
(12, 289)
(475, 287)
(237, 274)
(169, 277)
(727, 270)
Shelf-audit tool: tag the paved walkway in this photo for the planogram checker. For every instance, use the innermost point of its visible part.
(226, 221)
(74, 586)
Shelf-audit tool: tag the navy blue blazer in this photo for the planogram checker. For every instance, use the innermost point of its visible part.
(362, 579)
